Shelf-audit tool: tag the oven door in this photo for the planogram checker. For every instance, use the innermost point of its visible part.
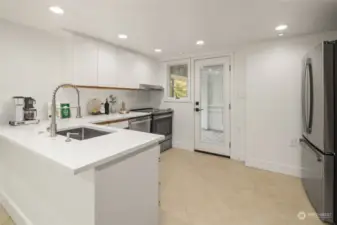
(140, 124)
(162, 124)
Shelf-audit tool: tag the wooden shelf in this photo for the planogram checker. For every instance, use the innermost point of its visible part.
(108, 88)
(111, 121)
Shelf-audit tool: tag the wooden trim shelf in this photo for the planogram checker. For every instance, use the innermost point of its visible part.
(108, 88)
(111, 121)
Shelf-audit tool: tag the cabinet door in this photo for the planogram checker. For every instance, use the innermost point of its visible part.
(145, 71)
(129, 187)
(85, 61)
(126, 69)
(107, 66)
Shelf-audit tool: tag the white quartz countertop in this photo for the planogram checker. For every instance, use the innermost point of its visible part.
(79, 156)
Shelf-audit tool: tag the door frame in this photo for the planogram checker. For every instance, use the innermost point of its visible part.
(230, 100)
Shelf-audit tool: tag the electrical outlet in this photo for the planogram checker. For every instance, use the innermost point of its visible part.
(294, 142)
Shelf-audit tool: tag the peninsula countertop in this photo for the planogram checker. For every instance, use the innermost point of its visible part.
(79, 156)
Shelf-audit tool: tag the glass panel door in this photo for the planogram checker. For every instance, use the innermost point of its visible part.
(212, 104)
(212, 91)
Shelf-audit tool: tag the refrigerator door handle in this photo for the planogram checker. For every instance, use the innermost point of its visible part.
(305, 98)
(309, 91)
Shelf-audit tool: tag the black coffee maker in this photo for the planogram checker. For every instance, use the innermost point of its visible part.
(30, 113)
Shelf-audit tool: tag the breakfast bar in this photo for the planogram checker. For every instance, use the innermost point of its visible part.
(96, 181)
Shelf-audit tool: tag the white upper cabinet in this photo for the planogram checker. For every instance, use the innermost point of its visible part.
(100, 64)
(85, 61)
(126, 69)
(146, 70)
(107, 66)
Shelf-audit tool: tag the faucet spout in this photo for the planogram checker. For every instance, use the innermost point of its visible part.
(53, 125)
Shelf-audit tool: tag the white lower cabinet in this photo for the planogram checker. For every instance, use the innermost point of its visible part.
(126, 192)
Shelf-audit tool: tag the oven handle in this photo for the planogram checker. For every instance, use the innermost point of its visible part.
(135, 122)
(161, 117)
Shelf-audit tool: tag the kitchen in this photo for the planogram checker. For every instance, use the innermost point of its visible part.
(63, 43)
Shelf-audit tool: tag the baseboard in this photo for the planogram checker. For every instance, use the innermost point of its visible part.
(274, 167)
(13, 210)
(182, 146)
(211, 153)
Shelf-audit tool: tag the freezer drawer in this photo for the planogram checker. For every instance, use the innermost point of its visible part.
(317, 180)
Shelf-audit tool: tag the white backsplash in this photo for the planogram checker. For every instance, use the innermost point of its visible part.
(132, 99)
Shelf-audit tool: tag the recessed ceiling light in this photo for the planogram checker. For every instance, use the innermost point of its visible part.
(281, 27)
(280, 34)
(122, 36)
(56, 10)
(158, 50)
(200, 42)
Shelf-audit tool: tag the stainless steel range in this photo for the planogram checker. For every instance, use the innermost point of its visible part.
(161, 124)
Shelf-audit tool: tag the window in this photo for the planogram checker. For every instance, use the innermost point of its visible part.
(178, 80)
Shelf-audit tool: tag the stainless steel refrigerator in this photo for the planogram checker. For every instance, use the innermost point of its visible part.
(319, 100)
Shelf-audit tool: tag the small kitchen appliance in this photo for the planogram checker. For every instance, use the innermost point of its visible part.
(25, 113)
(19, 103)
(30, 112)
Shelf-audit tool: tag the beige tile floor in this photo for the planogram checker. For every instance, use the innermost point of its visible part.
(4, 217)
(199, 189)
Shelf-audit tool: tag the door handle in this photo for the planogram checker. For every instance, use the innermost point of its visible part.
(198, 109)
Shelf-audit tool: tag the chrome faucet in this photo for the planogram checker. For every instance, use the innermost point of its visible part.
(53, 126)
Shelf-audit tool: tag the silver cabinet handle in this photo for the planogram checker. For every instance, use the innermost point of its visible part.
(140, 121)
(162, 117)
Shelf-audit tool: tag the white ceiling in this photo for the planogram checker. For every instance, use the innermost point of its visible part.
(175, 25)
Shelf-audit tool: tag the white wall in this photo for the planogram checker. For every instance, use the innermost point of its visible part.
(273, 113)
(34, 62)
(183, 124)
(183, 117)
(266, 108)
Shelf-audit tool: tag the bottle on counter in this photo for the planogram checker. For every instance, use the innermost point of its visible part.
(65, 111)
(102, 109)
(106, 107)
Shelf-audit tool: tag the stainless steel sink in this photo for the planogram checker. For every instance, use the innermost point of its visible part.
(83, 133)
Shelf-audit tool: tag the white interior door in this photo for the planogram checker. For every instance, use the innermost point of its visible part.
(212, 99)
